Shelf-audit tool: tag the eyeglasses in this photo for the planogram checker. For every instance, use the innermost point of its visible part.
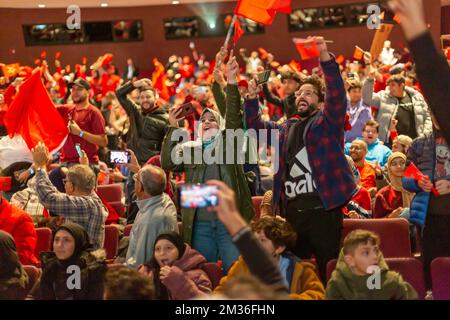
(307, 94)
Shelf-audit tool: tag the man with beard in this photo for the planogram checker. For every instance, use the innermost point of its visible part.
(314, 180)
(148, 123)
(86, 126)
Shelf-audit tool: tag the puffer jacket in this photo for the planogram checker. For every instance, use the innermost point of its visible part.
(149, 128)
(344, 285)
(186, 279)
(423, 154)
(231, 174)
(387, 106)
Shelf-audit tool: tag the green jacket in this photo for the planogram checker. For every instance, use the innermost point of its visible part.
(344, 285)
(231, 174)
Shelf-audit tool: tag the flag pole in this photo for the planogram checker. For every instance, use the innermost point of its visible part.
(225, 45)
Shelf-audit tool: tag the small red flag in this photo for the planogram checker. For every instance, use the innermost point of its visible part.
(263, 53)
(295, 66)
(256, 10)
(37, 62)
(10, 70)
(307, 48)
(238, 31)
(284, 6)
(84, 61)
(358, 54)
(340, 59)
(414, 173)
(43, 55)
(57, 55)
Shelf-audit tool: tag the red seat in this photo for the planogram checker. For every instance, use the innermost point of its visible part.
(440, 278)
(127, 230)
(111, 244)
(410, 268)
(110, 192)
(256, 200)
(393, 233)
(119, 207)
(214, 273)
(33, 275)
(44, 241)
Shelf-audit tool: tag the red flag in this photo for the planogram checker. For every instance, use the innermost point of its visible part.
(397, 18)
(358, 54)
(159, 80)
(84, 61)
(340, 59)
(238, 31)
(57, 55)
(414, 173)
(307, 48)
(284, 6)
(256, 10)
(37, 62)
(33, 115)
(10, 70)
(295, 66)
(5, 183)
(263, 53)
(43, 55)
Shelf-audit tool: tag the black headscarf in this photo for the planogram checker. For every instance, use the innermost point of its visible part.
(177, 240)
(81, 238)
(9, 259)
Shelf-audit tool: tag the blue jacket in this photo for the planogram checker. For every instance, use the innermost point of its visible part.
(423, 154)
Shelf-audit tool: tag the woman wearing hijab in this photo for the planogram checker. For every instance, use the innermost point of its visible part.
(392, 200)
(61, 279)
(13, 278)
(206, 159)
(176, 269)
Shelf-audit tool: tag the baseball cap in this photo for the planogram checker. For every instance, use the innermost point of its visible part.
(80, 82)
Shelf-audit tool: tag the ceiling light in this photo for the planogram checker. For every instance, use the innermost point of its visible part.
(41, 5)
(212, 25)
(175, 2)
(103, 5)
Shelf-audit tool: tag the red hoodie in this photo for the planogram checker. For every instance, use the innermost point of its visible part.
(20, 225)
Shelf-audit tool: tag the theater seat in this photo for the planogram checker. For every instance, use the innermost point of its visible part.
(440, 278)
(410, 268)
(214, 272)
(127, 230)
(393, 233)
(111, 244)
(256, 200)
(110, 192)
(44, 241)
(119, 207)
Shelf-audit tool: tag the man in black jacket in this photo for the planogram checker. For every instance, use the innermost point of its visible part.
(148, 123)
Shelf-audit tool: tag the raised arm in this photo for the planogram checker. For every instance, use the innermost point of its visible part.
(233, 113)
(270, 97)
(171, 149)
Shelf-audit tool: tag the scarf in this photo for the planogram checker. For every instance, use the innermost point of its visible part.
(396, 182)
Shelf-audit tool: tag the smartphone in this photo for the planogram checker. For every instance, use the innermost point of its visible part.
(119, 157)
(263, 77)
(77, 146)
(188, 108)
(197, 196)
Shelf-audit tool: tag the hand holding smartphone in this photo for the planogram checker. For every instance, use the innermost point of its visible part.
(263, 77)
(197, 196)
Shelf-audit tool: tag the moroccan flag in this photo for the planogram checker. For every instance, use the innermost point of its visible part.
(256, 10)
(238, 31)
(43, 55)
(295, 66)
(10, 70)
(263, 53)
(284, 6)
(381, 35)
(414, 173)
(307, 48)
(159, 80)
(57, 55)
(358, 54)
(33, 116)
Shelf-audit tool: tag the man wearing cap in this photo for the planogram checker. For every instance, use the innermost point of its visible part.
(85, 123)
(291, 83)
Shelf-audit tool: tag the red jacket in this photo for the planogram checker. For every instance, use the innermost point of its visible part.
(20, 225)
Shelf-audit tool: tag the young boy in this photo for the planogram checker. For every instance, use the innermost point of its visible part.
(275, 235)
(353, 278)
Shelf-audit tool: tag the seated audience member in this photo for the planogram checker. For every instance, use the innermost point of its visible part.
(79, 204)
(157, 214)
(28, 201)
(358, 151)
(393, 199)
(19, 224)
(376, 151)
(275, 236)
(123, 283)
(71, 247)
(13, 278)
(401, 144)
(361, 253)
(360, 206)
(176, 269)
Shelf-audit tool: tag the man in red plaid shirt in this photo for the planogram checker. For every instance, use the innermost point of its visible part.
(314, 181)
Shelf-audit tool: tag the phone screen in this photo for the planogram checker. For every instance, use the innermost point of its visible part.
(198, 196)
(119, 157)
(77, 146)
(263, 77)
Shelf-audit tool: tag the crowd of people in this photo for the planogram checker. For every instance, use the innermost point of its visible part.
(342, 136)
